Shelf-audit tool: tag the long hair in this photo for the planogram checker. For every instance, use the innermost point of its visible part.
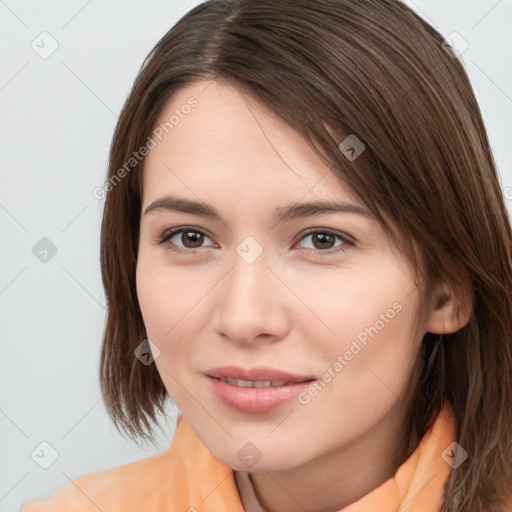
(375, 70)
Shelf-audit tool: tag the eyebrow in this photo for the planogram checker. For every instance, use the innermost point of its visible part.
(281, 214)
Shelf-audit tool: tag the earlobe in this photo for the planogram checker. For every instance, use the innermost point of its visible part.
(449, 313)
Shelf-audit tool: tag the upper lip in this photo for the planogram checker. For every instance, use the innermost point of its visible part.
(258, 373)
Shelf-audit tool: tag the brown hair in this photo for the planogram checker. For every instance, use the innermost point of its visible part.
(375, 69)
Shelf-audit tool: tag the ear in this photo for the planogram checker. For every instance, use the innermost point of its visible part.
(449, 312)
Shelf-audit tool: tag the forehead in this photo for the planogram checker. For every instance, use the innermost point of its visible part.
(229, 143)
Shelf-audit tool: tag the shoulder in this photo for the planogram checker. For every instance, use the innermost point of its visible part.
(177, 479)
(119, 488)
(72, 496)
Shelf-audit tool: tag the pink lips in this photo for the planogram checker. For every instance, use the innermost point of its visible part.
(256, 399)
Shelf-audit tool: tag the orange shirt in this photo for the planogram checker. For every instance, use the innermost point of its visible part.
(188, 478)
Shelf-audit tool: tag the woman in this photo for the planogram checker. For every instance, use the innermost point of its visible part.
(305, 246)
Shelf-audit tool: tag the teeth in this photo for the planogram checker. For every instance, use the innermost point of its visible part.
(251, 383)
(262, 384)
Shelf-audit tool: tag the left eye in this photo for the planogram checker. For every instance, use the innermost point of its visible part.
(193, 238)
(323, 240)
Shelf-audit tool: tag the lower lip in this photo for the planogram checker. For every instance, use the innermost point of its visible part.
(256, 400)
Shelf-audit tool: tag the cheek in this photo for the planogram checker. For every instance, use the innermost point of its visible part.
(374, 305)
(171, 301)
(162, 294)
(166, 304)
(380, 349)
(153, 299)
(373, 323)
(371, 326)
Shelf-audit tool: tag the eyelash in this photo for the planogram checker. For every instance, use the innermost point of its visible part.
(166, 236)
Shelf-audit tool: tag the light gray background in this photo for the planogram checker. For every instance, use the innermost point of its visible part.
(57, 118)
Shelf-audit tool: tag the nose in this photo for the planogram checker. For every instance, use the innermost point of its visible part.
(252, 303)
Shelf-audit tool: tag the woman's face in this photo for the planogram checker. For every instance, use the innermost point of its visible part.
(269, 284)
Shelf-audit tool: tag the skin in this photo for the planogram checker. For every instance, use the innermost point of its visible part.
(295, 308)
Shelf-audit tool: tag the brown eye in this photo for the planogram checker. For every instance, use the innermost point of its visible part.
(325, 241)
(184, 239)
(191, 239)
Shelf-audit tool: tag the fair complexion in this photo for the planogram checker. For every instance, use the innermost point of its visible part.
(296, 307)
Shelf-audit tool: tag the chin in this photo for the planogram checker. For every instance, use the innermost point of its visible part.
(247, 456)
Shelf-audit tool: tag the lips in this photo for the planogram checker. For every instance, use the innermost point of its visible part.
(256, 390)
(259, 374)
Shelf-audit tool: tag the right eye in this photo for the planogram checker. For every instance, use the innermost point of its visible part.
(190, 237)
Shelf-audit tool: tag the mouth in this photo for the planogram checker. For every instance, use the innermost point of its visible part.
(256, 390)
